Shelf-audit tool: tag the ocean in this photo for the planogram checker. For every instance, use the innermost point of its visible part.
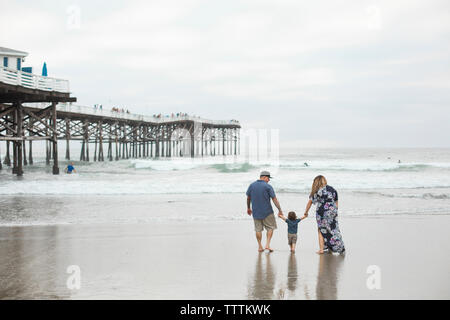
(370, 182)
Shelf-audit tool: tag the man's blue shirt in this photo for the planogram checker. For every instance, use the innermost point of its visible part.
(260, 193)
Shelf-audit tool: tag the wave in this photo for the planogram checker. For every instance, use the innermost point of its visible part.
(164, 165)
(435, 196)
(242, 164)
(416, 167)
(426, 196)
(239, 167)
(362, 166)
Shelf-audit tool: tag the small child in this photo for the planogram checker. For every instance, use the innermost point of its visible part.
(292, 223)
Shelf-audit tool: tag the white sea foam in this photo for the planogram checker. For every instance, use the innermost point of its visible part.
(221, 163)
(352, 170)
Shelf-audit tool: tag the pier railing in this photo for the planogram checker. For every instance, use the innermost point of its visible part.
(32, 81)
(67, 107)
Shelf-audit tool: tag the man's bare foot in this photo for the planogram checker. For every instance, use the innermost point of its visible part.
(320, 252)
(270, 249)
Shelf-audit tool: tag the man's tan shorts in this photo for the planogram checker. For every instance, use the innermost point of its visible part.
(292, 238)
(268, 222)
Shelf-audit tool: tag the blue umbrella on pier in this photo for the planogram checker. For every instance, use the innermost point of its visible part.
(44, 70)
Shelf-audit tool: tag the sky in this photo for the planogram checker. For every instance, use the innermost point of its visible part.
(324, 73)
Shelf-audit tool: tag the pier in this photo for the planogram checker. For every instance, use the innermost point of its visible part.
(36, 107)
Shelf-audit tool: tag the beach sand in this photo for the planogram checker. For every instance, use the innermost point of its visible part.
(219, 260)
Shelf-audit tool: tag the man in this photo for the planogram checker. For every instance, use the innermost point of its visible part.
(70, 168)
(259, 194)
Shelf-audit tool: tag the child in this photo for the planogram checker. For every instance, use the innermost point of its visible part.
(292, 223)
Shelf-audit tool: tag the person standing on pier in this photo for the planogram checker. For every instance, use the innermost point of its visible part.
(259, 194)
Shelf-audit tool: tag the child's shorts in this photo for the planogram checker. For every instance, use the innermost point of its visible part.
(292, 238)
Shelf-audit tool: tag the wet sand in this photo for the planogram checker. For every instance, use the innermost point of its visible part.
(219, 260)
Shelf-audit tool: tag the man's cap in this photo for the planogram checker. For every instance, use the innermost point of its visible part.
(265, 174)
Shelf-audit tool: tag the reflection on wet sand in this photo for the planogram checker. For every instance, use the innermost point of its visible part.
(30, 266)
(263, 283)
(292, 273)
(328, 276)
(20, 210)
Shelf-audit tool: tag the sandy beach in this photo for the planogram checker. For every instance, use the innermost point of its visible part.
(219, 260)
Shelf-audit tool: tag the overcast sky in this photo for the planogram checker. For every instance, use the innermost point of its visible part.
(325, 73)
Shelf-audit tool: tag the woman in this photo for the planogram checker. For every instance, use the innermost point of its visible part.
(326, 200)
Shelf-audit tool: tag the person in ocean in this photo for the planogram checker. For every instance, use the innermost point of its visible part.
(70, 168)
(325, 198)
(292, 223)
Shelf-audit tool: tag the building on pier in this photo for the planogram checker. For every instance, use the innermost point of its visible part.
(11, 58)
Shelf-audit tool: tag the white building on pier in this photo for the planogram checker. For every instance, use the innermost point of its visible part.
(12, 59)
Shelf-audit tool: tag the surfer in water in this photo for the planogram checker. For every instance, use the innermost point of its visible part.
(70, 168)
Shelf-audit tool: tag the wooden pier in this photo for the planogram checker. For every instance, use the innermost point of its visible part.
(41, 109)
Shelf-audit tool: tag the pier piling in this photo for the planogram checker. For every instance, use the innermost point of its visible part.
(30, 152)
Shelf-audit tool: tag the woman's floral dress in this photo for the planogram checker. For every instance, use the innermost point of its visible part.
(326, 216)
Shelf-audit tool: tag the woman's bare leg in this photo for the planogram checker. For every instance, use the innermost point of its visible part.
(321, 244)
